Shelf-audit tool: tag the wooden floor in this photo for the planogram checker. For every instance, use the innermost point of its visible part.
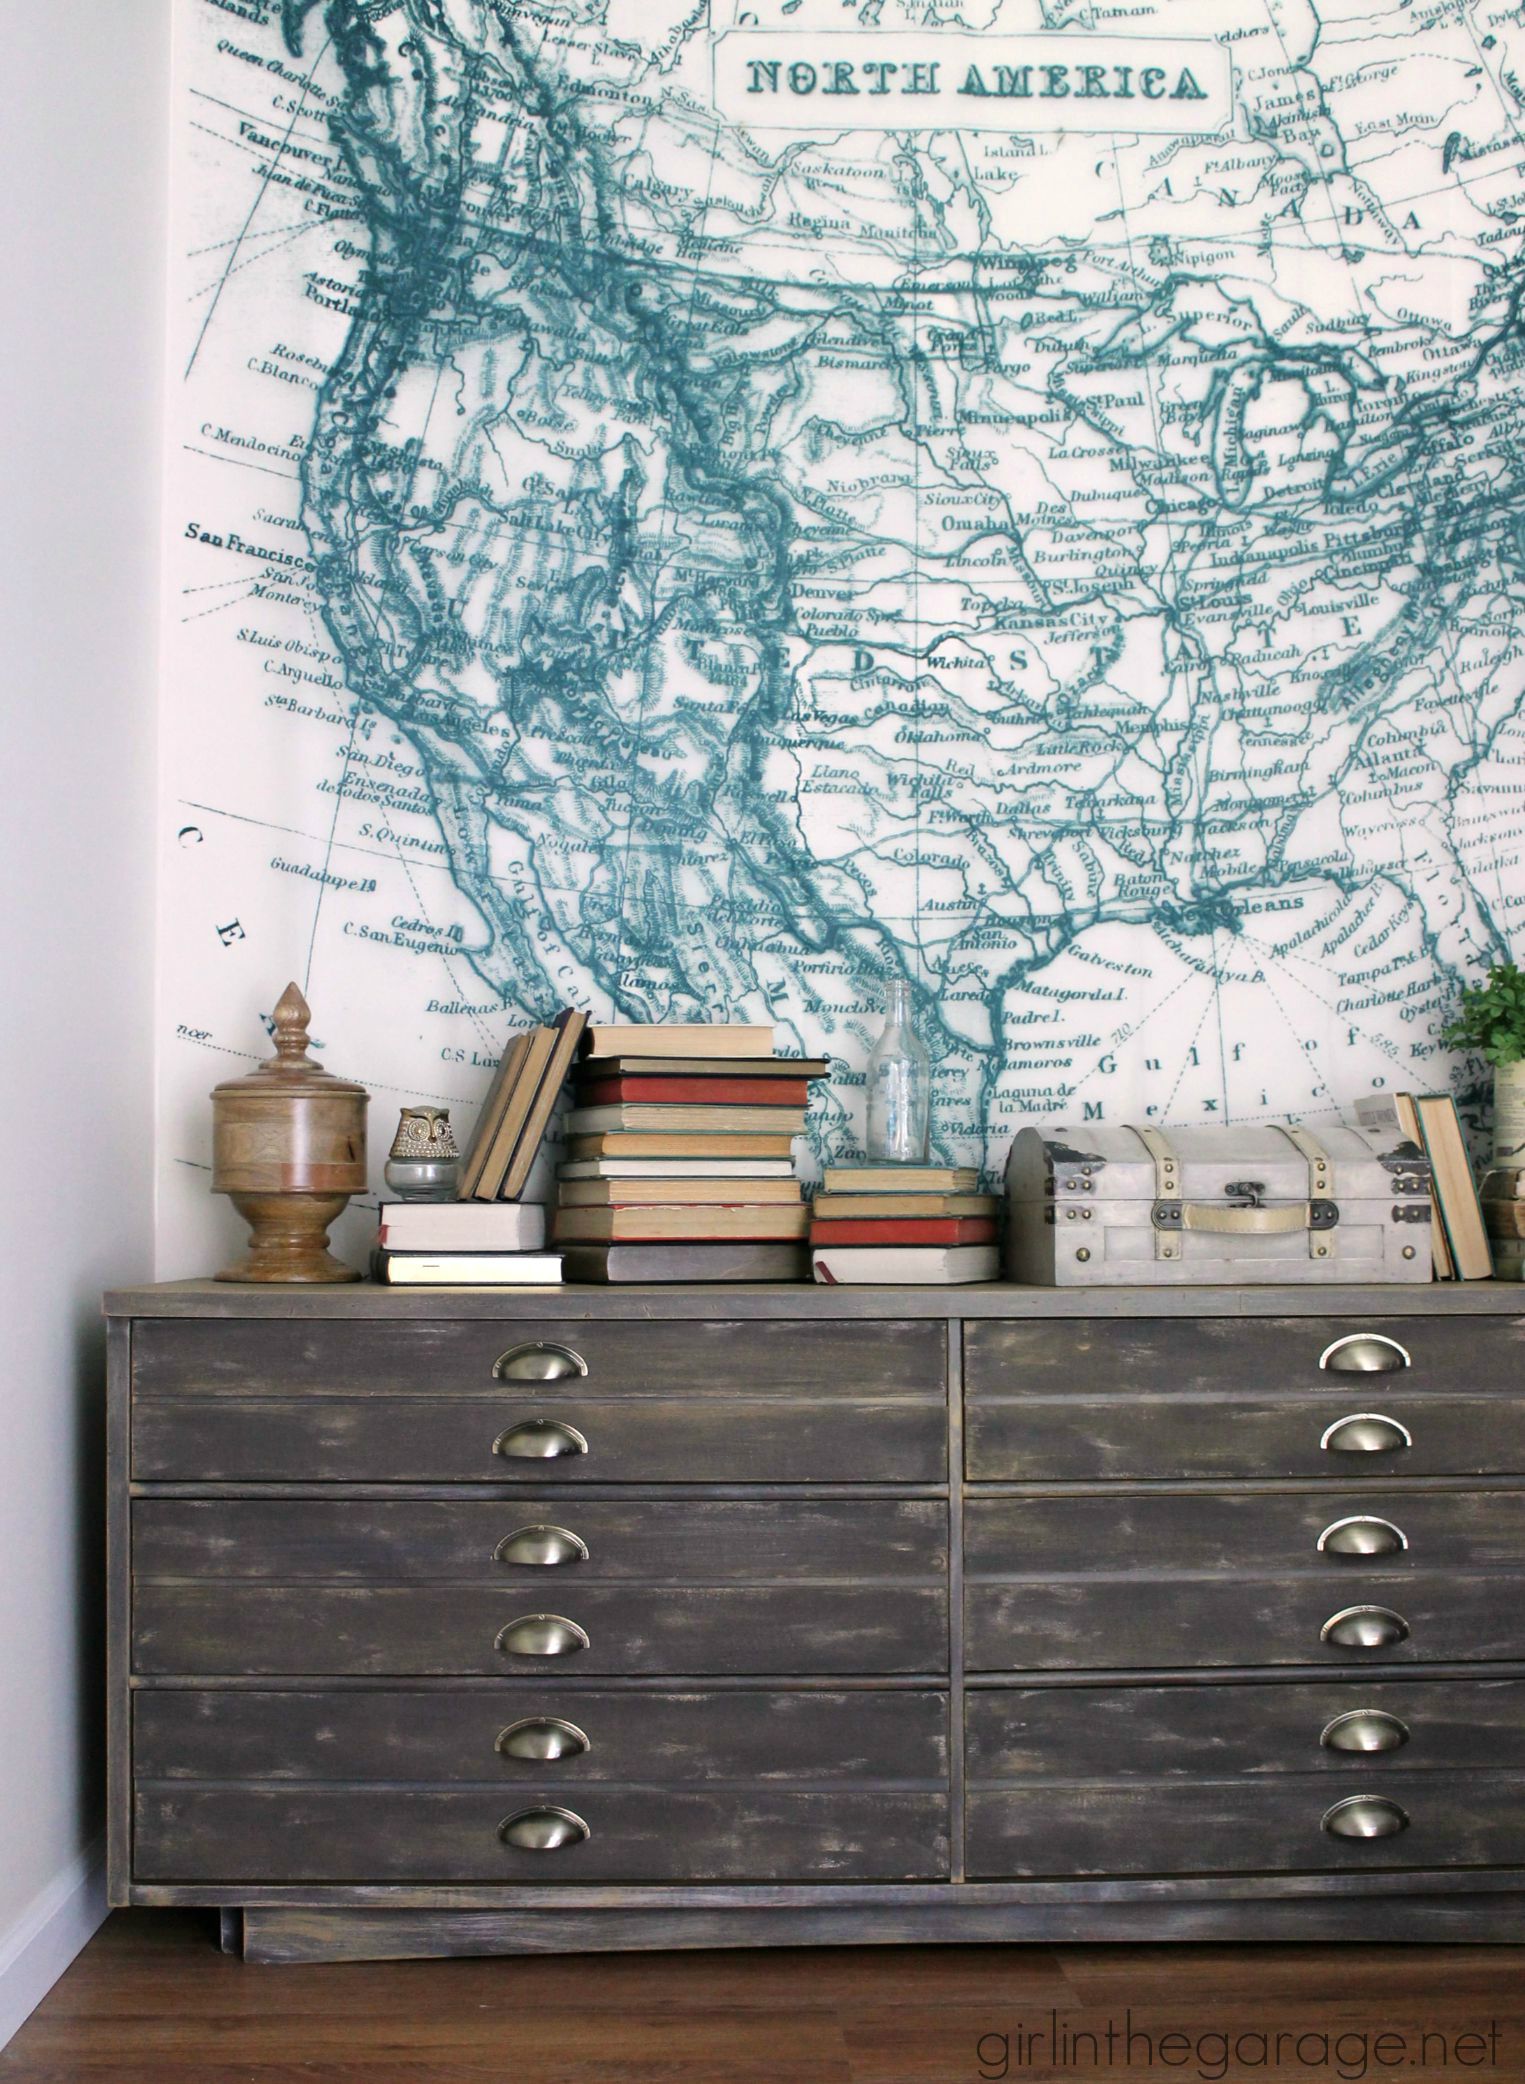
(152, 2001)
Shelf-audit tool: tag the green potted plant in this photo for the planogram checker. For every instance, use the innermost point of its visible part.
(1490, 1021)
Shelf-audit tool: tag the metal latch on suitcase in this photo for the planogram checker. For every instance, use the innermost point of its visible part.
(1243, 1214)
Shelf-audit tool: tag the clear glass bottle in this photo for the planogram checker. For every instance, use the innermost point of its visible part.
(899, 1086)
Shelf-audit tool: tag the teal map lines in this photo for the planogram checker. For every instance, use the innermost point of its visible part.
(631, 553)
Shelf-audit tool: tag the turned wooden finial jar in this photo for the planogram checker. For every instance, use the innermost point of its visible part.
(288, 1147)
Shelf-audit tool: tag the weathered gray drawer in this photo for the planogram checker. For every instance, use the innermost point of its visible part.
(438, 1357)
(366, 1834)
(539, 1439)
(1137, 1620)
(540, 1541)
(1345, 1532)
(1161, 1399)
(1268, 1824)
(257, 1628)
(547, 1733)
(1338, 1727)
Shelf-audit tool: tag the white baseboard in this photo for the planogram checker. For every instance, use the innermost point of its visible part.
(48, 1935)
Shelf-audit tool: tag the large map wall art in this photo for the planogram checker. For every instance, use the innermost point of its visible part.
(691, 510)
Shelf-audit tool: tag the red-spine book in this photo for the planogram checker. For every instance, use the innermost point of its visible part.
(702, 1092)
(906, 1230)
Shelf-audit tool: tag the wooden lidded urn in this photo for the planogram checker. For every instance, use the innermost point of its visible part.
(288, 1148)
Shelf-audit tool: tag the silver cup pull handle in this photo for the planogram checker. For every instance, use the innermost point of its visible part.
(1365, 1729)
(541, 1635)
(542, 1548)
(1364, 1628)
(1362, 1535)
(1364, 1353)
(1366, 1432)
(543, 1738)
(1365, 1816)
(540, 1361)
(539, 1440)
(543, 1830)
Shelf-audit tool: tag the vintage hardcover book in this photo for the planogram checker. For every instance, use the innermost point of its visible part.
(705, 1067)
(512, 1117)
(707, 1262)
(462, 1226)
(677, 1171)
(852, 1207)
(900, 1179)
(468, 1269)
(679, 1038)
(510, 1064)
(674, 1193)
(569, 1030)
(938, 1266)
(685, 1121)
(667, 1144)
(1397, 1113)
(1451, 1170)
(701, 1092)
(578, 1226)
(908, 1230)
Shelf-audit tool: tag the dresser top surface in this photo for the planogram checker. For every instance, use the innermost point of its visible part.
(366, 1300)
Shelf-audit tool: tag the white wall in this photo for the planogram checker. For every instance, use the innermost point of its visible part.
(82, 150)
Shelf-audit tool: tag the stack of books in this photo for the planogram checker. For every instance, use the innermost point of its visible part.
(680, 1156)
(903, 1224)
(1459, 1244)
(465, 1244)
(518, 1109)
(490, 1236)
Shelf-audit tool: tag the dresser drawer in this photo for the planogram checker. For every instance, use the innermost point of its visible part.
(545, 1542)
(292, 1834)
(1216, 1732)
(543, 1733)
(539, 1439)
(1137, 1620)
(790, 1358)
(1343, 1532)
(1267, 1825)
(1162, 1399)
(389, 1632)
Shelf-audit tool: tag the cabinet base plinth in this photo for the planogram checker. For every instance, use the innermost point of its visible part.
(279, 1936)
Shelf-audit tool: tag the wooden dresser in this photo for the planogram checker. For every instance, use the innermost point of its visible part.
(460, 1622)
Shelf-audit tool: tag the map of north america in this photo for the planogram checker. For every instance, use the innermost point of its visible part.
(632, 548)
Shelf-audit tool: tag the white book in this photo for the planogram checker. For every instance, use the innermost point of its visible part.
(678, 1168)
(462, 1226)
(469, 1269)
(907, 1266)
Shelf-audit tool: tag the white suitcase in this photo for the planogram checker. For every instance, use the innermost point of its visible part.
(1114, 1206)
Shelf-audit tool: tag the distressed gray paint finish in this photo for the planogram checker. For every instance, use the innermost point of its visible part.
(1214, 1731)
(1207, 1826)
(306, 1833)
(287, 1937)
(676, 1628)
(1201, 1354)
(1092, 1622)
(800, 1302)
(445, 1355)
(385, 1541)
(397, 1439)
(1245, 1534)
(449, 1736)
(1238, 1433)
(829, 1390)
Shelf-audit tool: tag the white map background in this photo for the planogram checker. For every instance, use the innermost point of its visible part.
(617, 557)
